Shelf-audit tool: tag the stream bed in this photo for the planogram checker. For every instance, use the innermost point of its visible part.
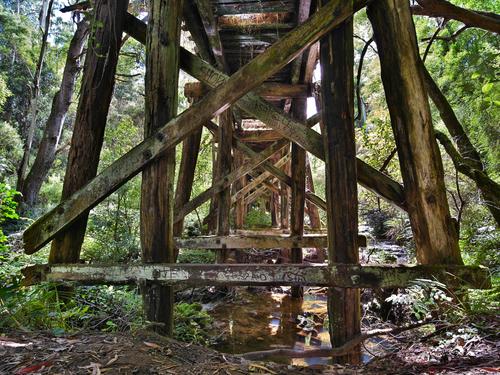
(262, 319)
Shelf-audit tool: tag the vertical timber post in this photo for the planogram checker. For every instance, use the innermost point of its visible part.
(95, 96)
(434, 233)
(190, 150)
(298, 162)
(224, 163)
(157, 194)
(239, 210)
(337, 112)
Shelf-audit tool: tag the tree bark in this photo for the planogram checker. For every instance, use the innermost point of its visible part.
(434, 232)
(467, 160)
(35, 93)
(490, 190)
(442, 8)
(337, 112)
(88, 134)
(54, 125)
(157, 191)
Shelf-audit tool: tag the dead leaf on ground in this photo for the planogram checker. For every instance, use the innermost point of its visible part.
(152, 345)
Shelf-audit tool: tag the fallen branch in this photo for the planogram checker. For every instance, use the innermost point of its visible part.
(334, 352)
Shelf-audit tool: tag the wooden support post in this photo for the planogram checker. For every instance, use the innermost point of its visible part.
(95, 96)
(298, 163)
(212, 219)
(239, 215)
(224, 165)
(190, 150)
(284, 195)
(434, 232)
(312, 209)
(157, 192)
(337, 95)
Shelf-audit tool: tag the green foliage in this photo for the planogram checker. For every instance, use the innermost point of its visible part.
(196, 256)
(11, 148)
(7, 210)
(191, 323)
(257, 218)
(422, 299)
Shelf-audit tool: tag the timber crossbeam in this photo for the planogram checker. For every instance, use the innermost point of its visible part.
(257, 242)
(338, 275)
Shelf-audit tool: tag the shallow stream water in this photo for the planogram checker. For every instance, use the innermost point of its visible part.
(259, 319)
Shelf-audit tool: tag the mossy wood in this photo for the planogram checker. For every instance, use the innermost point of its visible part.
(344, 276)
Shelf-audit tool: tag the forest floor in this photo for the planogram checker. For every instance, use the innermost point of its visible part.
(143, 352)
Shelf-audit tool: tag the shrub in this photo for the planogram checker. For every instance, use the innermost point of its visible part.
(191, 323)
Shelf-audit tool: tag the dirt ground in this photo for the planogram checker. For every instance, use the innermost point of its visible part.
(148, 353)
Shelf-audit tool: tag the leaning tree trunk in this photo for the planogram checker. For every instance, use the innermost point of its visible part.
(33, 108)
(466, 160)
(95, 96)
(53, 128)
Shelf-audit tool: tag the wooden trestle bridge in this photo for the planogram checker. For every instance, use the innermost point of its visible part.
(254, 63)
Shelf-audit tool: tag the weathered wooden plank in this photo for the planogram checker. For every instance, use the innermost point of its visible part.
(224, 165)
(158, 178)
(257, 241)
(434, 232)
(339, 275)
(291, 129)
(220, 98)
(255, 7)
(210, 25)
(298, 188)
(258, 135)
(268, 90)
(337, 115)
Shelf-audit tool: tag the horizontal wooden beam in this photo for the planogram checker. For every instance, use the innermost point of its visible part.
(268, 90)
(258, 135)
(257, 242)
(339, 275)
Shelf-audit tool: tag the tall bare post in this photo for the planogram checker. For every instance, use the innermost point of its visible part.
(298, 162)
(224, 164)
(434, 233)
(88, 134)
(157, 194)
(190, 150)
(337, 112)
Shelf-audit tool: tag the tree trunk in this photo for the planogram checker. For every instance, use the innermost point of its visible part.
(53, 128)
(434, 232)
(467, 159)
(88, 134)
(35, 93)
(337, 112)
